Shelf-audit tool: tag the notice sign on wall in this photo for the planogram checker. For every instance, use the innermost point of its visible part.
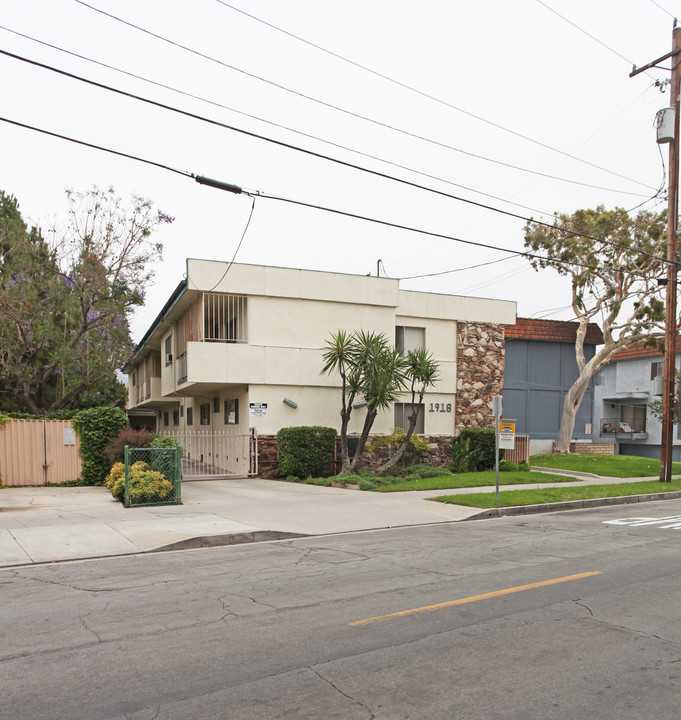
(257, 410)
(69, 436)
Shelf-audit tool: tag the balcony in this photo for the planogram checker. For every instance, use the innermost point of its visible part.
(624, 428)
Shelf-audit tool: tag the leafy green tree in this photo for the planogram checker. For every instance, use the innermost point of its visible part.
(65, 303)
(655, 407)
(422, 372)
(614, 283)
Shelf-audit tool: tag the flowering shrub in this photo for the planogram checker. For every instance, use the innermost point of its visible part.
(146, 485)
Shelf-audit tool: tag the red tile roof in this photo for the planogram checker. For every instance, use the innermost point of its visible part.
(639, 349)
(551, 330)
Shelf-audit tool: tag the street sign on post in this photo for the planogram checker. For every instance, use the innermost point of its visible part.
(507, 434)
(497, 406)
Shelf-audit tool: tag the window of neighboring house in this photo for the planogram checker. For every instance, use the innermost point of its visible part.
(176, 417)
(216, 405)
(599, 379)
(181, 410)
(656, 369)
(165, 418)
(231, 412)
(169, 350)
(134, 380)
(190, 416)
(204, 414)
(402, 413)
(409, 338)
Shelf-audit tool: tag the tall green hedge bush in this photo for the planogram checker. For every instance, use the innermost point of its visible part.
(97, 427)
(305, 451)
(473, 450)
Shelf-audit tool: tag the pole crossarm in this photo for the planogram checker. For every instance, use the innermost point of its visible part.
(637, 70)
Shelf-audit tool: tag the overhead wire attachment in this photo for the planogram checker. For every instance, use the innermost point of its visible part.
(229, 187)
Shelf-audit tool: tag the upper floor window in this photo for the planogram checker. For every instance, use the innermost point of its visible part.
(169, 350)
(409, 338)
(656, 369)
(224, 317)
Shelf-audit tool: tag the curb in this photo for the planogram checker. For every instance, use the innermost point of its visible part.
(207, 541)
(571, 505)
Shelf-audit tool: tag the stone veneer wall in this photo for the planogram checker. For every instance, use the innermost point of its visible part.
(480, 373)
(439, 454)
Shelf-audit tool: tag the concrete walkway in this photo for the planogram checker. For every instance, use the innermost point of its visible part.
(47, 524)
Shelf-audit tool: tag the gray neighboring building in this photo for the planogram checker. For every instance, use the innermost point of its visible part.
(624, 388)
(540, 367)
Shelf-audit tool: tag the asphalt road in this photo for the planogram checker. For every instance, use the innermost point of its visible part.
(297, 628)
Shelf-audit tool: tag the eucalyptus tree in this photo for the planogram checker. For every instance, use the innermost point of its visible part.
(613, 261)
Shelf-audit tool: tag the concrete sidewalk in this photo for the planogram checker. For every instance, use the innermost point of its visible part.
(46, 524)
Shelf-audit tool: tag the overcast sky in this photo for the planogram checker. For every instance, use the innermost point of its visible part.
(511, 67)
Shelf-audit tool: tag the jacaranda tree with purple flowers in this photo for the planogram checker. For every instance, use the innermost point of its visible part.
(65, 302)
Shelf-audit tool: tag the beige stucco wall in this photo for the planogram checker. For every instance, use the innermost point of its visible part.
(291, 314)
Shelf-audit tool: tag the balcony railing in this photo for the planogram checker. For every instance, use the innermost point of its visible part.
(613, 426)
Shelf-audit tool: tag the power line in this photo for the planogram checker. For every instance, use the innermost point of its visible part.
(96, 147)
(448, 272)
(283, 127)
(312, 153)
(237, 190)
(673, 17)
(588, 34)
(401, 84)
(350, 112)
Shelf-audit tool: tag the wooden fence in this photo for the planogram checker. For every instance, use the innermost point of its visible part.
(38, 452)
(521, 451)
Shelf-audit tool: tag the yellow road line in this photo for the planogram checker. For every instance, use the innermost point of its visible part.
(474, 598)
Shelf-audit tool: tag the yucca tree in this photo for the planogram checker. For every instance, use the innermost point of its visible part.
(422, 372)
(340, 356)
(369, 368)
(382, 374)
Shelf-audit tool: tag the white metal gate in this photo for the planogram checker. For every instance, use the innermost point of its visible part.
(213, 454)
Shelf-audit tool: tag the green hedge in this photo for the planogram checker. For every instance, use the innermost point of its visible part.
(305, 451)
(97, 427)
(473, 450)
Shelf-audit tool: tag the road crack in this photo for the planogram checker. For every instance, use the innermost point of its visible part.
(577, 601)
(338, 690)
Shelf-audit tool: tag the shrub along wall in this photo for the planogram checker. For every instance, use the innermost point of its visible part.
(97, 427)
(439, 454)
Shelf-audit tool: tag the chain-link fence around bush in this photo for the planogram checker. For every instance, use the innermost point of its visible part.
(152, 476)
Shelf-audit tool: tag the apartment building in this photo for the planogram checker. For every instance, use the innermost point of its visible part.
(238, 348)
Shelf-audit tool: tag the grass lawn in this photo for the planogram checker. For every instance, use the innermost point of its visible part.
(475, 479)
(512, 498)
(608, 465)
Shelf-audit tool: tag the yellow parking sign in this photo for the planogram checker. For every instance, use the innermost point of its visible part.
(507, 426)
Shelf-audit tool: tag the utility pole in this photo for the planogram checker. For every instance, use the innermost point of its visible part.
(667, 441)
